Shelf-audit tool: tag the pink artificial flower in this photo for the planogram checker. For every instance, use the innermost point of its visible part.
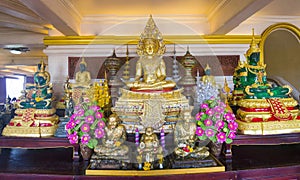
(199, 115)
(85, 139)
(204, 106)
(94, 108)
(221, 137)
(101, 124)
(71, 124)
(229, 116)
(73, 138)
(89, 119)
(208, 122)
(99, 133)
(218, 109)
(98, 115)
(219, 124)
(209, 112)
(223, 105)
(80, 112)
(217, 115)
(231, 135)
(85, 128)
(77, 107)
(209, 132)
(73, 116)
(199, 131)
(232, 125)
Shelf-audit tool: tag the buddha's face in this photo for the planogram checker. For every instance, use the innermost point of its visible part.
(112, 122)
(82, 67)
(150, 46)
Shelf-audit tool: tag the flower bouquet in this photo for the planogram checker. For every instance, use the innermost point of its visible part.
(86, 125)
(216, 122)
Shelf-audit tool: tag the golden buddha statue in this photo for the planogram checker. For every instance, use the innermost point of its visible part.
(149, 149)
(112, 153)
(83, 77)
(151, 66)
(185, 139)
(208, 78)
(112, 145)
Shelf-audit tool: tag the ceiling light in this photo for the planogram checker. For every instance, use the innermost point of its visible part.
(15, 51)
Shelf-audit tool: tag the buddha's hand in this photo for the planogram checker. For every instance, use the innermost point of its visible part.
(118, 143)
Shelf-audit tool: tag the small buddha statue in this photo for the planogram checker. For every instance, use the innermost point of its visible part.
(112, 146)
(82, 77)
(151, 68)
(149, 149)
(208, 78)
(185, 139)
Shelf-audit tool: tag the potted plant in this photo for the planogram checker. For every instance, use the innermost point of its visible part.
(86, 126)
(216, 122)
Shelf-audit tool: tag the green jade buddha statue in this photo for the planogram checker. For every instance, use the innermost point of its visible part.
(39, 94)
(251, 77)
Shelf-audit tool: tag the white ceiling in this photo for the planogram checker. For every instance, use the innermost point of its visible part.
(27, 22)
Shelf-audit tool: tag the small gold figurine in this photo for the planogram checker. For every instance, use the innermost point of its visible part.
(185, 139)
(149, 149)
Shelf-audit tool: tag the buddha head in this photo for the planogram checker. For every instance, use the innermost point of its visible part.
(82, 65)
(113, 121)
(151, 41)
(149, 131)
(207, 70)
(150, 46)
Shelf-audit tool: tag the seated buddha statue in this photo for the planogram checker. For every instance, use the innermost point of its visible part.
(82, 77)
(39, 94)
(112, 146)
(151, 68)
(185, 139)
(208, 78)
(251, 77)
(149, 149)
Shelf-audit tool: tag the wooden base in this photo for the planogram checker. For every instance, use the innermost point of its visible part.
(39, 143)
(262, 140)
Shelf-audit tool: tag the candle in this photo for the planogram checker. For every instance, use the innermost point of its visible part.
(137, 137)
(162, 138)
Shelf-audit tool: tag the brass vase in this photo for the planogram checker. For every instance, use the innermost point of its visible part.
(85, 152)
(215, 148)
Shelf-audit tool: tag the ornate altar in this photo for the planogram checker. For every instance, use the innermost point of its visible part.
(263, 109)
(149, 109)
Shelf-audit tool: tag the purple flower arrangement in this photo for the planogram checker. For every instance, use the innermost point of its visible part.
(86, 125)
(216, 122)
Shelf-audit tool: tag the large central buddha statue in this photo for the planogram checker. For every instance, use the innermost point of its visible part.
(151, 68)
(150, 100)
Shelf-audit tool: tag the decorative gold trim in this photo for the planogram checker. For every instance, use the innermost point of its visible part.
(294, 29)
(270, 127)
(171, 39)
(162, 172)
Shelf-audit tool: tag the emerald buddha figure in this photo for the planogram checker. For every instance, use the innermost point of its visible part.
(263, 109)
(251, 77)
(39, 94)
